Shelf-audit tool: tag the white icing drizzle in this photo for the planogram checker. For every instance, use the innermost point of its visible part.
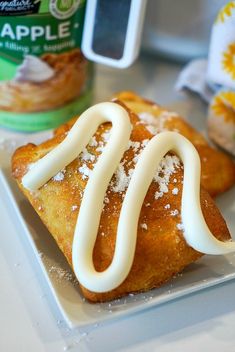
(195, 229)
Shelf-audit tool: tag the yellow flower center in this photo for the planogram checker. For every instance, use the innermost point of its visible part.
(223, 105)
(228, 61)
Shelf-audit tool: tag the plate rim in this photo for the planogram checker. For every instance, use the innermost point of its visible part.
(70, 321)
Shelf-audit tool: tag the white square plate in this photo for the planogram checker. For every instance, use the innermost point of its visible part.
(208, 271)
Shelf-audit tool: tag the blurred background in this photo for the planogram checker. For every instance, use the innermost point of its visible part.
(180, 29)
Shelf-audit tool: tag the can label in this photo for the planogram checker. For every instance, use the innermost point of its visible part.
(18, 7)
(44, 78)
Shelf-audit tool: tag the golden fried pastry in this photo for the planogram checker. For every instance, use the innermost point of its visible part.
(161, 249)
(70, 70)
(218, 170)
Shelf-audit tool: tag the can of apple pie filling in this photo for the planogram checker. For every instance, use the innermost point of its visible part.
(44, 77)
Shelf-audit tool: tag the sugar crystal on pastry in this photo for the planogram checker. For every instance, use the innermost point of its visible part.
(59, 176)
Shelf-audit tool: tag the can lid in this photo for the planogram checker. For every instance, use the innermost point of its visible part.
(112, 31)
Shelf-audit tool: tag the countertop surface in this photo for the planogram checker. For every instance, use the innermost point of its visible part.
(30, 320)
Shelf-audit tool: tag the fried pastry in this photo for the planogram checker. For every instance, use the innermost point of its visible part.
(161, 248)
(218, 169)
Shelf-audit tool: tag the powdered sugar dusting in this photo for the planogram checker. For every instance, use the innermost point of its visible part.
(85, 171)
(147, 118)
(156, 124)
(180, 227)
(175, 191)
(144, 226)
(124, 172)
(106, 135)
(93, 142)
(134, 145)
(86, 156)
(59, 176)
(100, 147)
(166, 168)
(106, 200)
(62, 274)
(152, 124)
(168, 114)
(122, 179)
(174, 212)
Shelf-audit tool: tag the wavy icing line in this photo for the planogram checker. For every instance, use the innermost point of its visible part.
(196, 231)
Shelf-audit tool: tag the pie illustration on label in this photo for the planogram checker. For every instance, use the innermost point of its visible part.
(45, 83)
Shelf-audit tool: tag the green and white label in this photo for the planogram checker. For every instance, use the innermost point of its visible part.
(39, 35)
